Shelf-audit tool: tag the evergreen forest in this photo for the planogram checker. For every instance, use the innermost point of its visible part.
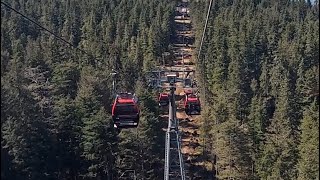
(258, 76)
(259, 73)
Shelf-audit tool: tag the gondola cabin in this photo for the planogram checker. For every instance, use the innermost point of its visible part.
(187, 92)
(192, 105)
(171, 78)
(187, 83)
(163, 99)
(125, 110)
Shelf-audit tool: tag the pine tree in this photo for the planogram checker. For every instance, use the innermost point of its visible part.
(27, 138)
(68, 136)
(97, 133)
(64, 78)
(109, 31)
(98, 146)
(278, 158)
(308, 164)
(76, 24)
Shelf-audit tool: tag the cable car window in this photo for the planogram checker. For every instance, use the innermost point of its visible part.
(193, 103)
(126, 109)
(187, 82)
(192, 96)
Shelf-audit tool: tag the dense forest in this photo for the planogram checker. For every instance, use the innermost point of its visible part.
(55, 99)
(259, 72)
(258, 78)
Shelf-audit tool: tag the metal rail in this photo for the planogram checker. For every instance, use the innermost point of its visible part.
(174, 165)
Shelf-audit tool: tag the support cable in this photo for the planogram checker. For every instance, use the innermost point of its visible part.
(204, 29)
(202, 65)
(200, 48)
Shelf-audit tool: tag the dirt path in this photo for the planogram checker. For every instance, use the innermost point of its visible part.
(189, 126)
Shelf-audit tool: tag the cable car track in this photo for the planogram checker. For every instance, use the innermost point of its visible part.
(193, 142)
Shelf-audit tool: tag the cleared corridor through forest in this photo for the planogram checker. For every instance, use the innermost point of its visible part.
(189, 126)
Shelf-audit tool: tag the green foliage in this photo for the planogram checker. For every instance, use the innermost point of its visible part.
(308, 165)
(280, 149)
(98, 143)
(260, 67)
(25, 134)
(65, 77)
(56, 99)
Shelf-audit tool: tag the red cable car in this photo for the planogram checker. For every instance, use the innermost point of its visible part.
(125, 110)
(163, 99)
(187, 91)
(192, 105)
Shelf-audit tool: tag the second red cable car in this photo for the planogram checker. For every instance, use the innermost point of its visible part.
(192, 105)
(163, 99)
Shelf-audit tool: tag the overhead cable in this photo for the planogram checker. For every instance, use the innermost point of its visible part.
(34, 22)
(204, 29)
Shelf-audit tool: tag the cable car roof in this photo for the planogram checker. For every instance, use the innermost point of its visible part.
(192, 99)
(187, 91)
(164, 94)
(126, 98)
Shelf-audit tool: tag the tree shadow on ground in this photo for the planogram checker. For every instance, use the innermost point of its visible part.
(199, 171)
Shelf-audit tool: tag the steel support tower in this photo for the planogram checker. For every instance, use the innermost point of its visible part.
(174, 165)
